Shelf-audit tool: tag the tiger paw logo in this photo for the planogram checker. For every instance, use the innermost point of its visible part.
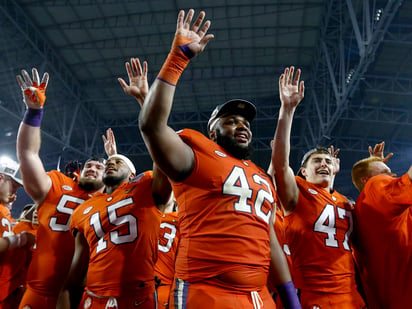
(315, 307)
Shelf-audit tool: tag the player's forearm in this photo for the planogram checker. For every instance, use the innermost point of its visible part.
(36, 182)
(28, 147)
(281, 147)
(157, 106)
(279, 267)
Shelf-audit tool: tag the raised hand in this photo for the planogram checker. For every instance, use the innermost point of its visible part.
(335, 159)
(197, 33)
(109, 143)
(34, 91)
(291, 91)
(138, 86)
(377, 151)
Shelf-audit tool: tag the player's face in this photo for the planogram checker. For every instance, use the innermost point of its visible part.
(379, 168)
(237, 128)
(91, 177)
(8, 189)
(116, 172)
(233, 133)
(319, 169)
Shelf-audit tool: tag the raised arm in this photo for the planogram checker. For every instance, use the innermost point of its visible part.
(109, 142)
(36, 182)
(291, 92)
(138, 86)
(161, 188)
(336, 163)
(168, 151)
(377, 151)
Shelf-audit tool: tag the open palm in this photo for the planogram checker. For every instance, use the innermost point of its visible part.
(291, 91)
(196, 33)
(138, 86)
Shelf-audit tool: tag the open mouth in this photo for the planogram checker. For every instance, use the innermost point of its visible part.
(243, 138)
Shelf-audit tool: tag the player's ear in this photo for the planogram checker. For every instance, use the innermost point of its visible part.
(212, 135)
(364, 179)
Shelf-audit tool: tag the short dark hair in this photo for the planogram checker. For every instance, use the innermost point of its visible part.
(95, 158)
(317, 149)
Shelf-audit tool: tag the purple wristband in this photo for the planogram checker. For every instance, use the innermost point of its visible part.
(33, 117)
(288, 296)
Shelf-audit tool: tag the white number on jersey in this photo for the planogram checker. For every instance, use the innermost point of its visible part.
(326, 223)
(237, 184)
(116, 220)
(169, 236)
(65, 213)
(6, 225)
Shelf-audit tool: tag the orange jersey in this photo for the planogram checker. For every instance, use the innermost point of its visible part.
(25, 226)
(168, 242)
(383, 241)
(12, 270)
(318, 232)
(54, 244)
(5, 213)
(122, 230)
(224, 210)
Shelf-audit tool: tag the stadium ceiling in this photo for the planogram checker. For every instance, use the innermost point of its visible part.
(355, 55)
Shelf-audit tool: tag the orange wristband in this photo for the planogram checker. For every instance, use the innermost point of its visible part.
(176, 61)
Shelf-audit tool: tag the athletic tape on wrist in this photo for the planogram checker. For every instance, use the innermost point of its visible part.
(176, 61)
(33, 117)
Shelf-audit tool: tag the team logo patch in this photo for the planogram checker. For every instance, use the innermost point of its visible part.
(220, 154)
(27, 307)
(87, 210)
(137, 178)
(245, 163)
(315, 307)
(109, 199)
(334, 198)
(87, 303)
(312, 191)
(67, 188)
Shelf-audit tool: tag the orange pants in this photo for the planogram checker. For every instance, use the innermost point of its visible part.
(310, 300)
(163, 294)
(122, 302)
(205, 295)
(34, 300)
